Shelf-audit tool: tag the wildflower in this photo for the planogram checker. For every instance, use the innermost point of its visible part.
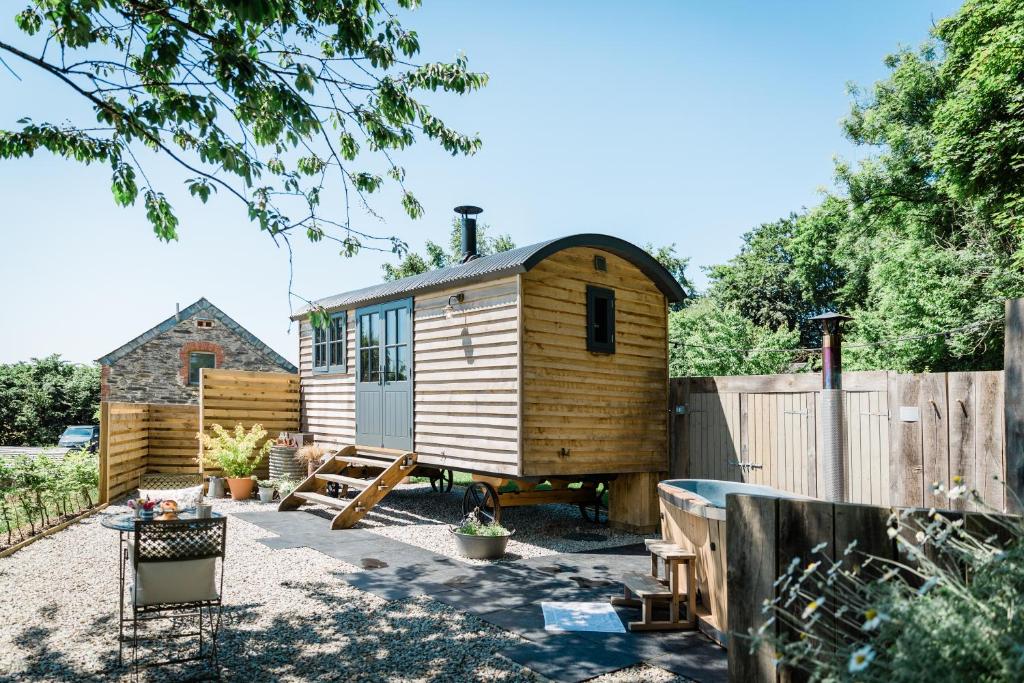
(809, 569)
(793, 564)
(892, 531)
(861, 658)
(818, 548)
(841, 611)
(927, 585)
(813, 606)
(849, 548)
(765, 626)
(888, 575)
(956, 492)
(920, 536)
(776, 658)
(873, 619)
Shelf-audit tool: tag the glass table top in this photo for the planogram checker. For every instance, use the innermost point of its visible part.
(126, 521)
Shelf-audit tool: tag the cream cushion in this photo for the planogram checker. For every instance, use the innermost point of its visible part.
(175, 581)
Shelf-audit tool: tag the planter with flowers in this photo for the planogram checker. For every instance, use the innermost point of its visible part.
(480, 538)
(265, 490)
(236, 454)
(144, 508)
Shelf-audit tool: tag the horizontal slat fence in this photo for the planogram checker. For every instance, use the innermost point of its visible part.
(765, 534)
(230, 397)
(903, 432)
(173, 446)
(124, 447)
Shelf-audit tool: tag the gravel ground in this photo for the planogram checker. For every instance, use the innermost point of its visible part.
(288, 616)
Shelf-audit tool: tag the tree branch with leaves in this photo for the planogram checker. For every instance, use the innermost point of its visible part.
(285, 105)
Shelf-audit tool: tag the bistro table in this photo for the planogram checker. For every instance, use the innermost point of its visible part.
(124, 524)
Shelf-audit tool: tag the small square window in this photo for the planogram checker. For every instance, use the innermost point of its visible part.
(600, 320)
(198, 360)
(204, 324)
(329, 345)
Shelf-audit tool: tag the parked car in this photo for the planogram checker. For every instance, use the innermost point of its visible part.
(81, 436)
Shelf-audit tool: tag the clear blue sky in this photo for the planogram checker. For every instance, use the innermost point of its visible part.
(664, 122)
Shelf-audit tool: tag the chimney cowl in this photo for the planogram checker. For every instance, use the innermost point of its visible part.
(469, 248)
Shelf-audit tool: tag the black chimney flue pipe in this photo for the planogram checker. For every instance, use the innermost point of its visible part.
(468, 214)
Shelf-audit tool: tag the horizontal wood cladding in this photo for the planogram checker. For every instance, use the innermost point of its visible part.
(466, 378)
(328, 400)
(584, 412)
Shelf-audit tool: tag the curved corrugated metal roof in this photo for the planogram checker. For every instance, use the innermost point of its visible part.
(517, 260)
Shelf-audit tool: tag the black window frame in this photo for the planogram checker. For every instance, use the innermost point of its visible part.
(594, 294)
(329, 342)
(199, 370)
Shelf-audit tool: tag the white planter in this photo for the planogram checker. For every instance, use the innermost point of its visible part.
(266, 494)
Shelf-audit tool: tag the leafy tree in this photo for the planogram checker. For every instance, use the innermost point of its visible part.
(38, 399)
(707, 338)
(923, 234)
(289, 107)
(675, 264)
(438, 257)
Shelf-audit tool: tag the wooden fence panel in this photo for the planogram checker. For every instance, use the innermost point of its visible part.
(903, 432)
(230, 397)
(124, 446)
(173, 446)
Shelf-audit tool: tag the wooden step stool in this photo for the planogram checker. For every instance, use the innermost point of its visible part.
(644, 590)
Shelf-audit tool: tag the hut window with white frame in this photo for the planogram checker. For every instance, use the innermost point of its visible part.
(600, 320)
(329, 345)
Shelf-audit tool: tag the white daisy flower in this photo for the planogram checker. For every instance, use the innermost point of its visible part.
(813, 606)
(861, 658)
(873, 619)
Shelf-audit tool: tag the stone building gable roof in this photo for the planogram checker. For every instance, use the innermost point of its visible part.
(498, 265)
(201, 307)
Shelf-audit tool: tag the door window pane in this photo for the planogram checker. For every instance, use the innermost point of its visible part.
(375, 364)
(402, 364)
(365, 366)
(390, 326)
(391, 367)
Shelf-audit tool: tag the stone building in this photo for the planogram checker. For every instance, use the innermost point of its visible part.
(162, 365)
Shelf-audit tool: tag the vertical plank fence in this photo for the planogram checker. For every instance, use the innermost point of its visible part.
(765, 534)
(903, 432)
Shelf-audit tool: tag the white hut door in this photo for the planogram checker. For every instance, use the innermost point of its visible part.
(384, 375)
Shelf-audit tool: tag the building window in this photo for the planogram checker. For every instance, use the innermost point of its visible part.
(600, 320)
(204, 324)
(197, 360)
(329, 345)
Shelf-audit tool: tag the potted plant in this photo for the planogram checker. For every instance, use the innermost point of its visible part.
(285, 485)
(237, 454)
(266, 490)
(479, 538)
(311, 455)
(144, 508)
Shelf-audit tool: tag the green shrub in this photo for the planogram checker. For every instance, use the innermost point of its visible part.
(37, 492)
(953, 612)
(236, 453)
(474, 525)
(38, 399)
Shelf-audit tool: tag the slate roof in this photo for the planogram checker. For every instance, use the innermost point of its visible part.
(498, 265)
(204, 308)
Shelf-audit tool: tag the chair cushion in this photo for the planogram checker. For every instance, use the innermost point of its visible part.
(158, 583)
(185, 498)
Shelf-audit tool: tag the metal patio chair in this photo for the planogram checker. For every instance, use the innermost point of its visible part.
(176, 577)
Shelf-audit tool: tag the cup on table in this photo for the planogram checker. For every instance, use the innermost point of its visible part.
(204, 510)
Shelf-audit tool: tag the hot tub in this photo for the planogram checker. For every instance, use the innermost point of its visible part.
(693, 516)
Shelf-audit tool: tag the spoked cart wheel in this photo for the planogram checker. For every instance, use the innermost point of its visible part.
(596, 510)
(442, 481)
(481, 495)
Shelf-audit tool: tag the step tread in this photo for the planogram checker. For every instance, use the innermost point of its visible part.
(351, 482)
(322, 499)
(368, 462)
(669, 551)
(645, 585)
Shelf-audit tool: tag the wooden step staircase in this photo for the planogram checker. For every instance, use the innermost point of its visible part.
(372, 472)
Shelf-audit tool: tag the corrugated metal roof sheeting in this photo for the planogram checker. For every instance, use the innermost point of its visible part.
(517, 260)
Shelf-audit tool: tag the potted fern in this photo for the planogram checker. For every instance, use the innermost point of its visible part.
(237, 454)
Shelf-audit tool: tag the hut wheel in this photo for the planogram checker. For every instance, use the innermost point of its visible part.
(482, 495)
(442, 481)
(596, 510)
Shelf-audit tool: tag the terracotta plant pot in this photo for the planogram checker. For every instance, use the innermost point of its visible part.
(241, 488)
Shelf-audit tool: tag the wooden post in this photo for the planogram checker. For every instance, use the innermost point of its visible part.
(751, 550)
(633, 502)
(104, 461)
(679, 458)
(1013, 404)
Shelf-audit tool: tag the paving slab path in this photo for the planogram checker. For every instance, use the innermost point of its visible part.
(508, 595)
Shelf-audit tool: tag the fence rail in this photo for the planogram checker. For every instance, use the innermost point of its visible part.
(902, 433)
